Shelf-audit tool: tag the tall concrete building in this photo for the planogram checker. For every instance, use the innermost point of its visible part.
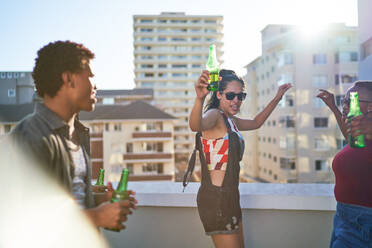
(16, 87)
(170, 51)
(299, 140)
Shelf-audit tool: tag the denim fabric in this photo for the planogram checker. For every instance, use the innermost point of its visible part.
(352, 227)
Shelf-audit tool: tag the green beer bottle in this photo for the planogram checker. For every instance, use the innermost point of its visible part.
(101, 178)
(121, 193)
(212, 67)
(354, 110)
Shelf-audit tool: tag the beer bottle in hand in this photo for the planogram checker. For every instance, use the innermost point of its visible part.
(121, 193)
(354, 110)
(212, 67)
(101, 178)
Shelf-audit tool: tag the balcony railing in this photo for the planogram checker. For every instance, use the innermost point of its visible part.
(274, 215)
(152, 134)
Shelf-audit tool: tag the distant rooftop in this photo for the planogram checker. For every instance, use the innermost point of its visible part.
(11, 113)
(135, 110)
(133, 92)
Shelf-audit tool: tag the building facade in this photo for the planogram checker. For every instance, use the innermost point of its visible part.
(365, 39)
(299, 140)
(137, 136)
(170, 51)
(16, 87)
(124, 97)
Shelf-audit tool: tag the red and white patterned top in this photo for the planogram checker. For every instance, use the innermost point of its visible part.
(216, 150)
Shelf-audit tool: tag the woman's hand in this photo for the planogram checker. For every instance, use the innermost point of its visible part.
(327, 97)
(202, 84)
(282, 89)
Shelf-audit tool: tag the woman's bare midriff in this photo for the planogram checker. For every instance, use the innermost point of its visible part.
(217, 177)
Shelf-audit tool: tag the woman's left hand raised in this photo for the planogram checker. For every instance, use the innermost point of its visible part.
(282, 89)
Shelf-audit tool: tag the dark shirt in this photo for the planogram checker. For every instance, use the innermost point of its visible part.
(42, 136)
(353, 171)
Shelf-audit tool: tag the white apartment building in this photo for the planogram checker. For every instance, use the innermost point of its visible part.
(299, 140)
(170, 51)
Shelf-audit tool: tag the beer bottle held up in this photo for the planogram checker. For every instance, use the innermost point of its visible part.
(354, 110)
(213, 68)
(101, 178)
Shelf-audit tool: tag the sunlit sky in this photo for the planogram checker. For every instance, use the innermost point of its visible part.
(106, 27)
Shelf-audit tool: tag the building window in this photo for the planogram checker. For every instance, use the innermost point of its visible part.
(287, 101)
(285, 58)
(146, 21)
(319, 59)
(108, 100)
(107, 127)
(117, 127)
(320, 122)
(284, 78)
(340, 143)
(2, 75)
(345, 78)
(321, 144)
(346, 57)
(318, 103)
(321, 165)
(152, 168)
(287, 163)
(287, 121)
(274, 159)
(129, 147)
(11, 92)
(130, 168)
(339, 100)
(152, 146)
(320, 81)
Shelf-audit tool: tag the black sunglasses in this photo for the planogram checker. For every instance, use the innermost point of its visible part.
(346, 101)
(231, 95)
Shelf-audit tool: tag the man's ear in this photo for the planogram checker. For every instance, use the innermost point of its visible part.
(67, 79)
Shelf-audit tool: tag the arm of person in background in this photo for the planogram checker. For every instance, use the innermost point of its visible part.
(112, 215)
(361, 125)
(197, 121)
(246, 124)
(329, 99)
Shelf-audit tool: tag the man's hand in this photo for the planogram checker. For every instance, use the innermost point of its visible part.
(111, 215)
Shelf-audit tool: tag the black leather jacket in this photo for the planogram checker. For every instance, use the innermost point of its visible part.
(42, 135)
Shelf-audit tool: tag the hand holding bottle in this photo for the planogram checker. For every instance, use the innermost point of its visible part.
(202, 84)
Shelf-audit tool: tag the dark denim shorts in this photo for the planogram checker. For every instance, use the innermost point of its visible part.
(219, 209)
(352, 227)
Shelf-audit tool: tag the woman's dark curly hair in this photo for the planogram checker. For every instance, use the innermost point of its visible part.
(54, 59)
(227, 76)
